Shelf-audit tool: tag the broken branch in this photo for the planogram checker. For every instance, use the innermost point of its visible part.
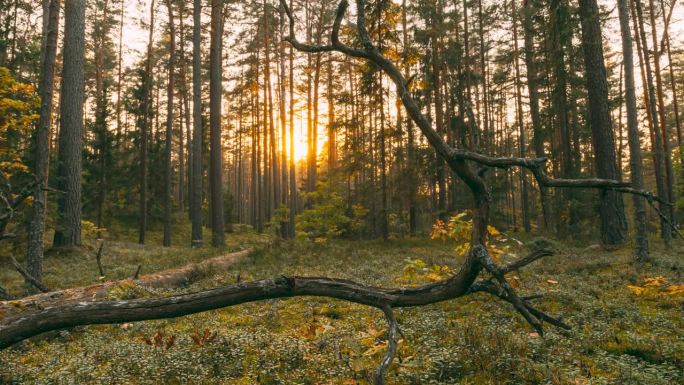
(28, 277)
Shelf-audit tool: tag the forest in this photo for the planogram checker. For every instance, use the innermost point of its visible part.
(341, 192)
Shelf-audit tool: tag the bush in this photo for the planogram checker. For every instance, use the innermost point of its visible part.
(328, 216)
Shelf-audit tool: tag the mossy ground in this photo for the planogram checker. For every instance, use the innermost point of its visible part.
(617, 337)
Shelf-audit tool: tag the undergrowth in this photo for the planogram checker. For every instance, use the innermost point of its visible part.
(619, 336)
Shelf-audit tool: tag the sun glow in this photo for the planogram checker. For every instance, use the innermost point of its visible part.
(300, 138)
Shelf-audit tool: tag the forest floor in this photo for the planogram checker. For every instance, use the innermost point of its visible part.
(628, 321)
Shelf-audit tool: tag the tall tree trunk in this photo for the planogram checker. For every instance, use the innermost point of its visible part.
(169, 127)
(384, 221)
(533, 90)
(559, 39)
(410, 137)
(68, 232)
(665, 231)
(439, 114)
(522, 137)
(282, 111)
(275, 177)
(146, 129)
(641, 237)
(196, 193)
(667, 151)
(101, 113)
(313, 160)
(36, 233)
(119, 80)
(215, 151)
(612, 211)
(293, 174)
(332, 134)
(483, 70)
(186, 121)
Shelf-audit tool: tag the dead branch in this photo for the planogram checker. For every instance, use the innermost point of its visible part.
(28, 277)
(393, 331)
(526, 260)
(15, 329)
(510, 295)
(98, 259)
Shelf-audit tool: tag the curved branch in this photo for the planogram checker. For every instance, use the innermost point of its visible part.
(15, 329)
(391, 346)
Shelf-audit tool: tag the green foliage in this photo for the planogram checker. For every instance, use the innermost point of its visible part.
(328, 216)
(459, 228)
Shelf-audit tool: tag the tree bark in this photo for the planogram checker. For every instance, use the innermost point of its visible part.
(169, 127)
(196, 193)
(533, 90)
(215, 152)
(612, 212)
(146, 129)
(667, 151)
(665, 231)
(36, 233)
(522, 136)
(641, 236)
(68, 232)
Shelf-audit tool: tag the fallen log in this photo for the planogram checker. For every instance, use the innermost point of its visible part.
(167, 278)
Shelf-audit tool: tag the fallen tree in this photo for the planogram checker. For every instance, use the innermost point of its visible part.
(469, 166)
(14, 307)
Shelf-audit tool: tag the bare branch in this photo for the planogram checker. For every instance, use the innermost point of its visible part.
(28, 277)
(526, 260)
(393, 331)
(490, 288)
(98, 259)
(511, 296)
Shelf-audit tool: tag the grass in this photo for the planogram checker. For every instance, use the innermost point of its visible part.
(617, 338)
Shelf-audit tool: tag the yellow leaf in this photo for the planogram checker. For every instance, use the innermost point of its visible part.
(636, 289)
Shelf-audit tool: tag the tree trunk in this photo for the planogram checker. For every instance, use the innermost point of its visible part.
(612, 212)
(36, 233)
(196, 193)
(146, 130)
(641, 236)
(533, 90)
(439, 117)
(273, 149)
(169, 127)
(665, 232)
(119, 102)
(68, 232)
(522, 137)
(559, 39)
(667, 151)
(293, 174)
(215, 152)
